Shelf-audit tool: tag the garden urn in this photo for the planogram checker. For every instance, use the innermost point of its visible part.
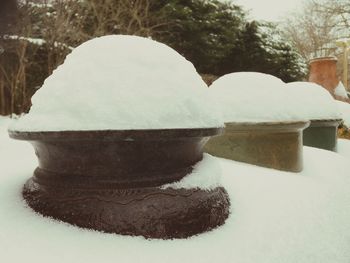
(261, 127)
(323, 71)
(116, 130)
(318, 106)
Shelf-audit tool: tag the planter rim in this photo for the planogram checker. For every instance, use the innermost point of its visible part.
(115, 135)
(279, 126)
(329, 58)
(325, 122)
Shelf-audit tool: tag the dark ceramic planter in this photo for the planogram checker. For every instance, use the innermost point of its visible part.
(109, 181)
(272, 145)
(322, 134)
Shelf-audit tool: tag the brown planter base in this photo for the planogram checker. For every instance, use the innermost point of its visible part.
(272, 145)
(109, 181)
(322, 134)
(150, 212)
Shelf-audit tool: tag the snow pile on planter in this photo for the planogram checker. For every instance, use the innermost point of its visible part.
(254, 97)
(206, 175)
(343, 147)
(344, 109)
(313, 101)
(121, 82)
(4, 122)
(340, 90)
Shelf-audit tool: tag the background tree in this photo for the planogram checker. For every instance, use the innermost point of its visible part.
(202, 31)
(262, 48)
(8, 15)
(314, 30)
(46, 31)
(215, 36)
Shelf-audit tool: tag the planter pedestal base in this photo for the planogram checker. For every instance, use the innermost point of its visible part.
(322, 134)
(151, 212)
(276, 145)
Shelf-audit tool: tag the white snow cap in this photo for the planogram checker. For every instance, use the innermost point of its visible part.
(254, 97)
(340, 90)
(121, 82)
(206, 175)
(313, 101)
(344, 109)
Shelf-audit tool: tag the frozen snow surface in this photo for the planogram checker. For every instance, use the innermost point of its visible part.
(254, 97)
(340, 90)
(343, 147)
(205, 175)
(344, 109)
(4, 122)
(276, 217)
(313, 101)
(121, 82)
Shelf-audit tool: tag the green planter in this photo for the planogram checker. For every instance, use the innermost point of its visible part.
(275, 145)
(322, 134)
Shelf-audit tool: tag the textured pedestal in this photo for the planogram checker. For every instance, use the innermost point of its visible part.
(151, 212)
(110, 181)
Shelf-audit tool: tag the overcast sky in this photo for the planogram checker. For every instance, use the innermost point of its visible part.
(270, 10)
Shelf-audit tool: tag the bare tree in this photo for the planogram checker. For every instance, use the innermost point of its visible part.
(13, 64)
(49, 29)
(314, 30)
(339, 10)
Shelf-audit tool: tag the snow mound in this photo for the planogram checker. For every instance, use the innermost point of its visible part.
(340, 90)
(253, 97)
(344, 109)
(206, 175)
(313, 101)
(121, 82)
(276, 217)
(343, 147)
(4, 122)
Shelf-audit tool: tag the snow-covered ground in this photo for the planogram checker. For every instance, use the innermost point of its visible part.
(277, 217)
(344, 147)
(344, 108)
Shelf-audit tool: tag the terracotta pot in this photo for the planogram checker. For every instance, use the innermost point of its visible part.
(323, 71)
(109, 181)
(322, 134)
(275, 145)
